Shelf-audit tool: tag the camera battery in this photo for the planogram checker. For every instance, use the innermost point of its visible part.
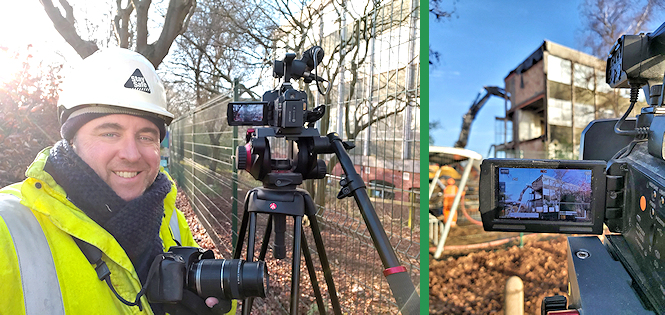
(292, 114)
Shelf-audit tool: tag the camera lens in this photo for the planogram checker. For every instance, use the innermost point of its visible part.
(232, 278)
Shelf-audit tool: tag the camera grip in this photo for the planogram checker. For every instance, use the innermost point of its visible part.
(165, 279)
(404, 292)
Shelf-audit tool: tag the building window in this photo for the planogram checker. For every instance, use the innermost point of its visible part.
(381, 189)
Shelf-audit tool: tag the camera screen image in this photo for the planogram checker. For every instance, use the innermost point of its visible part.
(545, 194)
(248, 113)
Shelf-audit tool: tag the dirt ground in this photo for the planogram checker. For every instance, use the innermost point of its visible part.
(472, 281)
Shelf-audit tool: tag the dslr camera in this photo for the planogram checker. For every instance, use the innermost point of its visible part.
(619, 183)
(194, 269)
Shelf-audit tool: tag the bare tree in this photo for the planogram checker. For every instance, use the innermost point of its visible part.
(604, 21)
(348, 60)
(354, 49)
(436, 9)
(433, 125)
(212, 57)
(233, 39)
(212, 53)
(130, 26)
(257, 32)
(178, 97)
(228, 40)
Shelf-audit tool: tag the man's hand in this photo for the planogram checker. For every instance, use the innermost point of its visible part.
(219, 307)
(212, 301)
(192, 304)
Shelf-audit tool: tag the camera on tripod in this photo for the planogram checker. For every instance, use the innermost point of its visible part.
(620, 182)
(283, 113)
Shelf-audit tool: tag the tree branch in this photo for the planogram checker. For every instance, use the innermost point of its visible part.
(175, 23)
(121, 23)
(67, 29)
(142, 7)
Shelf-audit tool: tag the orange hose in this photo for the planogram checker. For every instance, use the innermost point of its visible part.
(468, 217)
(482, 245)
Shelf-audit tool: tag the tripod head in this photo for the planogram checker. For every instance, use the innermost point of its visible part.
(255, 158)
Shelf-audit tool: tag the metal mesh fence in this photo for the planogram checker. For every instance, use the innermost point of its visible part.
(376, 106)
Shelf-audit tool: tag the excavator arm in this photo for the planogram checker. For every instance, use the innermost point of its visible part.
(468, 118)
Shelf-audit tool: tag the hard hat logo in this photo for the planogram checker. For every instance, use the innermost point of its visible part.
(137, 82)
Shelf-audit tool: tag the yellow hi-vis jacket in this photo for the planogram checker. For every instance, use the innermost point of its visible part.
(27, 282)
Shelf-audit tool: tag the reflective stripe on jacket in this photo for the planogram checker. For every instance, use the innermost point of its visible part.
(80, 289)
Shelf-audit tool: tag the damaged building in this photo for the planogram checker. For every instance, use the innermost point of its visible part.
(554, 94)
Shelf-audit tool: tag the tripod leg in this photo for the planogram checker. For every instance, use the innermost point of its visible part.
(295, 271)
(266, 239)
(262, 254)
(247, 303)
(320, 249)
(398, 279)
(237, 251)
(312, 275)
(252, 236)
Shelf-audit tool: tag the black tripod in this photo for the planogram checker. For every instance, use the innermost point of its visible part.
(278, 198)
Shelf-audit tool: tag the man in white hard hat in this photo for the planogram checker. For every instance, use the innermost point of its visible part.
(102, 185)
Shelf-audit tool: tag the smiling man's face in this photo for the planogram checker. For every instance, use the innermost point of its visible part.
(123, 150)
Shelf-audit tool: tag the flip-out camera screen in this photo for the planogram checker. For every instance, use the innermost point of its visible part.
(545, 194)
(247, 114)
(542, 195)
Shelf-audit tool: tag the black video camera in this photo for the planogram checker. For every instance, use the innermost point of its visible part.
(195, 269)
(285, 111)
(284, 108)
(620, 182)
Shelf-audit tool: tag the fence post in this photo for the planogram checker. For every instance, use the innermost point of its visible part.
(412, 209)
(192, 180)
(234, 182)
(514, 296)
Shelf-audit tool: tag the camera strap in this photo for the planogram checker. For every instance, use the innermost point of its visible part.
(94, 256)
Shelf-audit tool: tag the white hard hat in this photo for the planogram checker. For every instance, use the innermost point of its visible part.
(117, 79)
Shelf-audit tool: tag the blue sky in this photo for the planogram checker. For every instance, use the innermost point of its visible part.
(479, 47)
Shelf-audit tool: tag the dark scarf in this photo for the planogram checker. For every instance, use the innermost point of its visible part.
(134, 224)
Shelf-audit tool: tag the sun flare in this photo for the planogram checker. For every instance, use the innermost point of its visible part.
(9, 65)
